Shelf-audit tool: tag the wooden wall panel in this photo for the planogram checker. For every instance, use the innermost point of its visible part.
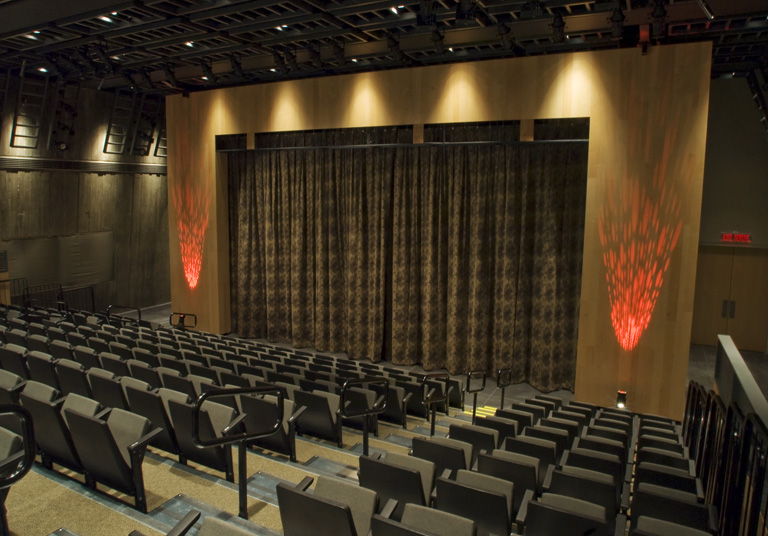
(645, 110)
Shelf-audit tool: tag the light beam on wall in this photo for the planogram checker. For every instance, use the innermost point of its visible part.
(192, 207)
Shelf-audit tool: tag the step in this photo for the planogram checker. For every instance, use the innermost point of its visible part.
(171, 512)
(318, 464)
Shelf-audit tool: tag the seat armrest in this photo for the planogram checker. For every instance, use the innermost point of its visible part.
(522, 513)
(103, 414)
(389, 508)
(699, 490)
(379, 402)
(296, 414)
(186, 523)
(628, 472)
(18, 388)
(691, 468)
(447, 474)
(305, 483)
(59, 401)
(548, 477)
(621, 525)
(713, 518)
(625, 497)
(234, 425)
(563, 459)
(407, 397)
(141, 444)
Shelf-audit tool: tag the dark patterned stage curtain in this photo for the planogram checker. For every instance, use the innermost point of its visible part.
(465, 257)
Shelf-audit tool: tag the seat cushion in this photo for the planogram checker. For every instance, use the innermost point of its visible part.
(126, 429)
(360, 500)
(435, 521)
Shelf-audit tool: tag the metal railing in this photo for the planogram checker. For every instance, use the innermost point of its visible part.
(109, 313)
(229, 437)
(431, 398)
(16, 466)
(473, 391)
(503, 380)
(379, 406)
(179, 320)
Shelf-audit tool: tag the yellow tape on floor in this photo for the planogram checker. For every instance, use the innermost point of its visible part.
(483, 411)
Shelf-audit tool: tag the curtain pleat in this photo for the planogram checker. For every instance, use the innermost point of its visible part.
(466, 257)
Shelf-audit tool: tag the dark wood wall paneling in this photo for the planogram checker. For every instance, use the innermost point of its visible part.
(134, 207)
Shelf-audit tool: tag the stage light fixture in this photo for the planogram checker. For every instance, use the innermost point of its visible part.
(280, 65)
(706, 9)
(617, 23)
(393, 45)
(505, 34)
(338, 53)
(237, 67)
(659, 15)
(438, 36)
(621, 399)
(558, 28)
(209, 76)
(290, 57)
(314, 56)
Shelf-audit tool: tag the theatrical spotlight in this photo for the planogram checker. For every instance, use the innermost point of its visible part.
(466, 12)
(621, 399)
(338, 53)
(617, 23)
(438, 35)
(705, 8)
(659, 15)
(558, 28)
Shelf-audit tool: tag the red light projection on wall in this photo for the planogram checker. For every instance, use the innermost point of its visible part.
(191, 222)
(638, 239)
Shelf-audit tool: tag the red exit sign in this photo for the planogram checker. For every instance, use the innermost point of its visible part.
(736, 238)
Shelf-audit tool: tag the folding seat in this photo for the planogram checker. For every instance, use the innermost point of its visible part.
(193, 356)
(112, 451)
(72, 378)
(557, 436)
(599, 462)
(42, 368)
(665, 458)
(77, 339)
(420, 520)
(358, 400)
(667, 477)
(322, 418)
(222, 363)
(505, 427)
(127, 382)
(215, 419)
(479, 437)
(546, 405)
(570, 427)
(10, 386)
(578, 417)
(172, 362)
(557, 401)
(302, 513)
(106, 388)
(114, 363)
(405, 479)
(564, 516)
(49, 421)
(98, 344)
(86, 356)
(613, 434)
(60, 349)
(125, 340)
(230, 378)
(141, 371)
(523, 419)
(179, 384)
(444, 453)
(169, 350)
(482, 498)
(16, 336)
(201, 384)
(13, 359)
(587, 410)
(601, 444)
(656, 442)
(202, 371)
(146, 356)
(154, 406)
(541, 449)
(38, 343)
(397, 404)
(261, 414)
(589, 486)
(147, 344)
(35, 328)
(521, 470)
(415, 405)
(673, 509)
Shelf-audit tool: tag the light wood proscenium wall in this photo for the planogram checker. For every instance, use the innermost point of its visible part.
(644, 109)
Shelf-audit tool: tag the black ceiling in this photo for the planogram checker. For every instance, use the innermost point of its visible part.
(164, 46)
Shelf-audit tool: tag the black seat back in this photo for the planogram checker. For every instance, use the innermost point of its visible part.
(523, 476)
(488, 510)
(543, 520)
(443, 456)
(391, 482)
(149, 404)
(317, 419)
(304, 514)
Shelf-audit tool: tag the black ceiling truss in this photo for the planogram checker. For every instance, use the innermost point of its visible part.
(167, 46)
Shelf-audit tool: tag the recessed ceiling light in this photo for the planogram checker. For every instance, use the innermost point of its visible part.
(279, 28)
(204, 78)
(30, 36)
(273, 70)
(393, 9)
(190, 43)
(36, 32)
(114, 13)
(105, 19)
(354, 60)
(42, 69)
(450, 49)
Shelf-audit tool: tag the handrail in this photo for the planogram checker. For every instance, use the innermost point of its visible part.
(469, 390)
(429, 398)
(181, 320)
(242, 473)
(735, 382)
(25, 462)
(379, 406)
(503, 384)
(127, 308)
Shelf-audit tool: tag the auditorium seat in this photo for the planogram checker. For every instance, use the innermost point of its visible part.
(521, 470)
(481, 438)
(541, 449)
(445, 453)
(505, 427)
(10, 386)
(86, 356)
(214, 420)
(112, 450)
(565, 516)
(106, 388)
(322, 418)
(261, 414)
(482, 498)
(60, 349)
(114, 363)
(673, 509)
(72, 378)
(13, 359)
(302, 513)
(403, 478)
(362, 502)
